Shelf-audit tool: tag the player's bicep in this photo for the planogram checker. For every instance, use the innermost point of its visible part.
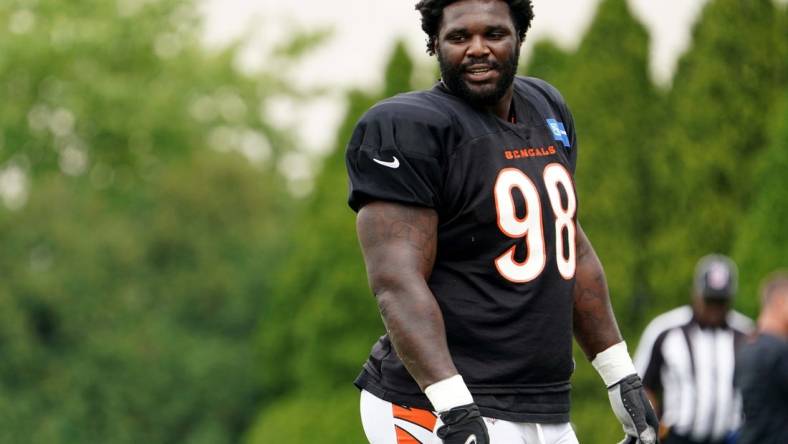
(395, 155)
(585, 252)
(399, 242)
(590, 290)
(595, 325)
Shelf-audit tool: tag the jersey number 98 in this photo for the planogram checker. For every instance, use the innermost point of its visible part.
(529, 228)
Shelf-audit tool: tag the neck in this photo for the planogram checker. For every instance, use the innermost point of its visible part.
(504, 106)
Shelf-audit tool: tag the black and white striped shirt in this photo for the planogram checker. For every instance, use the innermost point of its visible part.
(692, 367)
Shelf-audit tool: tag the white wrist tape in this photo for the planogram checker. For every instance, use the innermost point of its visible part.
(614, 364)
(448, 393)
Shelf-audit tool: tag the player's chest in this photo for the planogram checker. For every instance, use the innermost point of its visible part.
(522, 163)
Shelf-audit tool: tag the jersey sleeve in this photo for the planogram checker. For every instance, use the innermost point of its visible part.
(568, 122)
(570, 131)
(394, 155)
(555, 110)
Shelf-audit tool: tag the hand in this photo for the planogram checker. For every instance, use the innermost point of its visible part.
(463, 425)
(634, 411)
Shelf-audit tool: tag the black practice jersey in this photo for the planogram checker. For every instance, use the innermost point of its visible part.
(505, 264)
(762, 377)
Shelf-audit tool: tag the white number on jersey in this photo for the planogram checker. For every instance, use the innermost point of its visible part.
(529, 228)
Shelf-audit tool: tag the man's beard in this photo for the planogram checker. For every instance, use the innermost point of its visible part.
(452, 76)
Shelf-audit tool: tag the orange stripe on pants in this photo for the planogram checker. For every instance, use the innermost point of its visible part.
(403, 437)
(419, 417)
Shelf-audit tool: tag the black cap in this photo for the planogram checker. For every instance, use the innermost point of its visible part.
(716, 277)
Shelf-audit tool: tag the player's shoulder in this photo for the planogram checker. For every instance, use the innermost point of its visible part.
(539, 90)
(419, 122)
(414, 123)
(418, 107)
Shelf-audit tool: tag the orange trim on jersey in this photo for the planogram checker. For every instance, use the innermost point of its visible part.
(403, 437)
(422, 418)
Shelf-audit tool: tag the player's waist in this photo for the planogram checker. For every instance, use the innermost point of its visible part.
(534, 388)
(544, 403)
(520, 389)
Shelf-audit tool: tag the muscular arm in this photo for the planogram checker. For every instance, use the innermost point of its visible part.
(595, 325)
(399, 244)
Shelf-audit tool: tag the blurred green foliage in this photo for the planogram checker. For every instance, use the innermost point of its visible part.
(322, 293)
(324, 417)
(138, 231)
(724, 96)
(321, 290)
(131, 322)
(650, 160)
(120, 87)
(159, 284)
(761, 242)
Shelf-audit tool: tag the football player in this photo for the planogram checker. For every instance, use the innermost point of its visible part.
(467, 219)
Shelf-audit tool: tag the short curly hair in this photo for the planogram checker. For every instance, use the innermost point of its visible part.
(432, 14)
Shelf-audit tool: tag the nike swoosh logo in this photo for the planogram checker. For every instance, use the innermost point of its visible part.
(393, 164)
(471, 440)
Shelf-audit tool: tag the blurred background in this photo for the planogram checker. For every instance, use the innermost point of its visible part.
(178, 263)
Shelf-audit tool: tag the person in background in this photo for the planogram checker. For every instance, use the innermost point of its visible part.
(686, 358)
(762, 368)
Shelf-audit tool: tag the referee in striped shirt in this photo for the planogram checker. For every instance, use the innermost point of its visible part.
(686, 359)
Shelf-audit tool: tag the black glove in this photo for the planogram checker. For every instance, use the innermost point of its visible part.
(463, 425)
(634, 411)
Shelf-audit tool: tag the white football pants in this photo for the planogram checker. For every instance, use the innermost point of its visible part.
(387, 423)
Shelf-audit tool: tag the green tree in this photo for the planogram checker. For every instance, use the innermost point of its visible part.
(322, 318)
(761, 237)
(325, 296)
(132, 321)
(110, 91)
(134, 275)
(321, 306)
(723, 93)
(398, 72)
